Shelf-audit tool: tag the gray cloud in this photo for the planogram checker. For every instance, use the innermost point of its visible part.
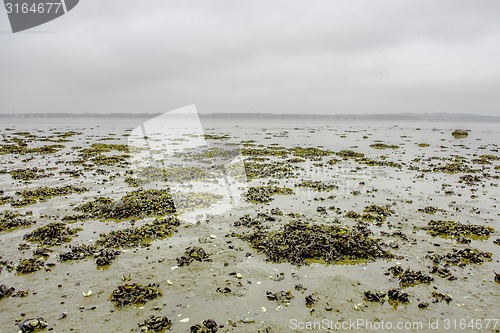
(257, 56)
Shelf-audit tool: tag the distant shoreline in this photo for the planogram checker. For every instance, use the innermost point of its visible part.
(453, 117)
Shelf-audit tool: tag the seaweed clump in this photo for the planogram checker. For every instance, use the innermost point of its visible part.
(138, 203)
(127, 294)
(317, 185)
(375, 297)
(55, 233)
(299, 242)
(349, 154)
(310, 152)
(256, 222)
(4, 198)
(428, 210)
(372, 213)
(281, 297)
(408, 277)
(458, 230)
(29, 265)
(44, 193)
(470, 180)
(29, 174)
(104, 257)
(383, 146)
(156, 324)
(78, 252)
(439, 297)
(139, 236)
(394, 296)
(462, 257)
(206, 326)
(192, 254)
(254, 170)
(11, 220)
(262, 194)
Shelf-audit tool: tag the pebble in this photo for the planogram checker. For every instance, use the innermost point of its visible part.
(248, 320)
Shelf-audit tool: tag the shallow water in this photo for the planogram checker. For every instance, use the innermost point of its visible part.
(340, 288)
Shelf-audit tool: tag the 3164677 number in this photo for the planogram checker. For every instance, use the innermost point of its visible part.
(470, 324)
(39, 8)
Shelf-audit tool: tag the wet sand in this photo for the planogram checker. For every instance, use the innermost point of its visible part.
(190, 292)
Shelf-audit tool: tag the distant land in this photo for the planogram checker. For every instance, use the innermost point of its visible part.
(450, 117)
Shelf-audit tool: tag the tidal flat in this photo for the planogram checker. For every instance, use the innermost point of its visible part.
(269, 226)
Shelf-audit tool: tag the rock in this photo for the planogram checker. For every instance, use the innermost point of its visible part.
(460, 133)
(5, 291)
(31, 325)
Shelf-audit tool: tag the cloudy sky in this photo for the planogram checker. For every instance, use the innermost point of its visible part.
(257, 56)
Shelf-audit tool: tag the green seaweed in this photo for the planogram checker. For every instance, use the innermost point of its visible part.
(383, 146)
(191, 254)
(139, 236)
(128, 294)
(408, 277)
(457, 230)
(11, 220)
(317, 185)
(263, 194)
(53, 234)
(299, 241)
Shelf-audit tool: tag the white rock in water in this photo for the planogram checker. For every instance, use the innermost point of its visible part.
(184, 320)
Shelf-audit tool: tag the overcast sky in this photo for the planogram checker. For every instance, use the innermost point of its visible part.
(257, 56)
